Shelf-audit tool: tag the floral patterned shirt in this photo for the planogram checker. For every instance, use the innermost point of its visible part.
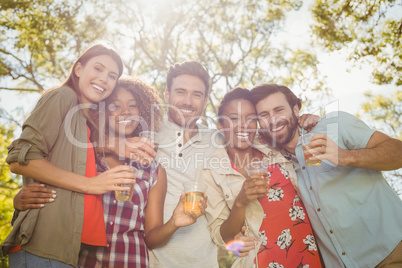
(286, 234)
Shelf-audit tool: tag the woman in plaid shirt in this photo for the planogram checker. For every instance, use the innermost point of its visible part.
(135, 225)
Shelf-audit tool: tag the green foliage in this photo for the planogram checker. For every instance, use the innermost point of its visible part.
(42, 35)
(368, 29)
(235, 40)
(371, 33)
(9, 186)
(386, 112)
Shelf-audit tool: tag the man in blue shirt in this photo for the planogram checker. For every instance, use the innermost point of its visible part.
(356, 216)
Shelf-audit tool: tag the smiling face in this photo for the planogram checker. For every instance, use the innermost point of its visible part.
(187, 99)
(239, 123)
(97, 78)
(123, 113)
(278, 121)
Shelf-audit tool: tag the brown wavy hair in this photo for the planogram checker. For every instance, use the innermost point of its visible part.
(93, 51)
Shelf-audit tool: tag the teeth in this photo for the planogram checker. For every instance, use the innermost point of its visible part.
(242, 134)
(125, 121)
(185, 111)
(98, 88)
(278, 128)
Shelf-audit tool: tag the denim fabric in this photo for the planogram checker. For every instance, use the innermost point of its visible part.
(24, 259)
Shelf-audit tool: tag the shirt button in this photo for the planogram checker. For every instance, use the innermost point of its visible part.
(111, 223)
(311, 188)
(318, 209)
(180, 154)
(331, 232)
(180, 145)
(108, 245)
(343, 253)
(114, 201)
(303, 168)
(179, 134)
(227, 196)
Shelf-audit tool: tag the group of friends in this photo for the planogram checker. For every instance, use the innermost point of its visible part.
(81, 142)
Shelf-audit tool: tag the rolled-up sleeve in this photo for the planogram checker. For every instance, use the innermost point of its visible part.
(217, 209)
(40, 131)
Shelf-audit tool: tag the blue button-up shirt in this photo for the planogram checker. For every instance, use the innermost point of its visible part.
(356, 216)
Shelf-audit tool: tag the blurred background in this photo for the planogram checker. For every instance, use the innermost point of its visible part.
(342, 55)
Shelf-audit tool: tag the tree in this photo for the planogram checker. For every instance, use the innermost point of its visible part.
(235, 40)
(371, 33)
(370, 30)
(385, 114)
(37, 40)
(9, 185)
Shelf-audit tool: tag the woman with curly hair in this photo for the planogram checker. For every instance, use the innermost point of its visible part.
(136, 225)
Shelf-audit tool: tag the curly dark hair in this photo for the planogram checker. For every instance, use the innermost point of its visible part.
(149, 107)
(148, 102)
(237, 93)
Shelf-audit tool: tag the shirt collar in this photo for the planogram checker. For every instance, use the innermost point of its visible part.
(289, 156)
(177, 128)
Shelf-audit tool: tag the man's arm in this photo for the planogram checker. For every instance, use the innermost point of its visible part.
(156, 232)
(381, 153)
(34, 195)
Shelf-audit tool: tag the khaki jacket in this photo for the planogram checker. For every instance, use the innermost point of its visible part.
(224, 184)
(56, 130)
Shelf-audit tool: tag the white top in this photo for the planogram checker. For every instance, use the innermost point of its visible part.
(189, 246)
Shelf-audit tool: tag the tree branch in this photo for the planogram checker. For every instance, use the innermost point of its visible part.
(20, 89)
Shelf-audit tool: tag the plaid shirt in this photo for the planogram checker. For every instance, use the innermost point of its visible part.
(124, 225)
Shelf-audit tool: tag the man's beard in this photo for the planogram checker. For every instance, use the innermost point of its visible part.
(273, 141)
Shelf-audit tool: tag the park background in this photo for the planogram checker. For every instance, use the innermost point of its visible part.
(344, 55)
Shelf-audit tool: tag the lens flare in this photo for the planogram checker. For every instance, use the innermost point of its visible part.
(235, 246)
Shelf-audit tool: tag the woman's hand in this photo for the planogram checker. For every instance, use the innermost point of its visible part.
(110, 180)
(252, 189)
(248, 241)
(181, 218)
(34, 195)
(139, 149)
